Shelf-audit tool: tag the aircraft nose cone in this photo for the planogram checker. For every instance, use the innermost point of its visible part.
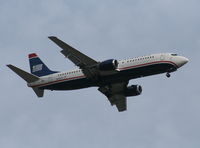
(183, 61)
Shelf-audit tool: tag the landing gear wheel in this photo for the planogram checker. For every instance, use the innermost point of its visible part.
(168, 75)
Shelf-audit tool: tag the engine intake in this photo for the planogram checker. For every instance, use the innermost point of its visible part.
(108, 65)
(133, 90)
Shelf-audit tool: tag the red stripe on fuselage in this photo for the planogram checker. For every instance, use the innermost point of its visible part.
(124, 68)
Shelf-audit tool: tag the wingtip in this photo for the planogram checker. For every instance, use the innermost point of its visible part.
(9, 65)
(52, 37)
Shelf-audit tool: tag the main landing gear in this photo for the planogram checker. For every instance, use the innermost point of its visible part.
(168, 74)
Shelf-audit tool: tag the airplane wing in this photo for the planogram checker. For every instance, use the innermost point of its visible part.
(78, 58)
(115, 95)
(120, 102)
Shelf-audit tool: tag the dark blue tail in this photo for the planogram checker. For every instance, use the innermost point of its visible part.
(37, 67)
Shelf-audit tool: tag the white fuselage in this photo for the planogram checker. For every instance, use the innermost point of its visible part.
(128, 64)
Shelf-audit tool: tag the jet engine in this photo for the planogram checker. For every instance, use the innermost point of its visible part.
(108, 65)
(133, 90)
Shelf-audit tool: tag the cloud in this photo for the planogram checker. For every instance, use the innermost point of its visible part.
(165, 115)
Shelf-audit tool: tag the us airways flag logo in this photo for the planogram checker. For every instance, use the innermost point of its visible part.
(36, 68)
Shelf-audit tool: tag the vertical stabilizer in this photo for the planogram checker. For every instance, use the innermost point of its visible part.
(37, 67)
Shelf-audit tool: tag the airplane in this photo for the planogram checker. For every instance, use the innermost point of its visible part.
(110, 76)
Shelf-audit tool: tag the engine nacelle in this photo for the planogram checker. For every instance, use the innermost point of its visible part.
(133, 90)
(108, 65)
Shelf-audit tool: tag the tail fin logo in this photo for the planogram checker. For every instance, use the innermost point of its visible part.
(36, 68)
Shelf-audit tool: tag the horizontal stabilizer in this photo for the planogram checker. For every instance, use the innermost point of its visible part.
(39, 92)
(23, 74)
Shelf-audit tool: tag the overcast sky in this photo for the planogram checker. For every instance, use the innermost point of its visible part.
(165, 115)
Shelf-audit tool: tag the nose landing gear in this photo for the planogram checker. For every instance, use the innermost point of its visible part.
(168, 74)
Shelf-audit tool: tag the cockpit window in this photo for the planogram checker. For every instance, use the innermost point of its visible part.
(174, 54)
